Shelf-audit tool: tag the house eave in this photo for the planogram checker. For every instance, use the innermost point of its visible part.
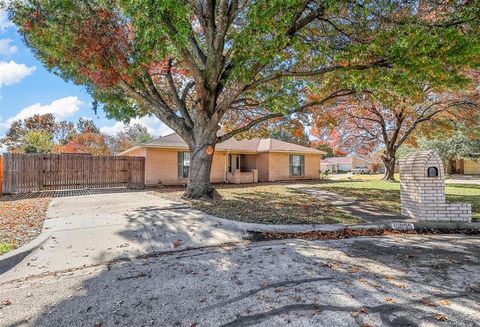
(217, 150)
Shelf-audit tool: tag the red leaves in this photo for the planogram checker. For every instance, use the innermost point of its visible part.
(92, 143)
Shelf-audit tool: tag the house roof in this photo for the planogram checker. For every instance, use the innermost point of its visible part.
(347, 160)
(338, 160)
(255, 145)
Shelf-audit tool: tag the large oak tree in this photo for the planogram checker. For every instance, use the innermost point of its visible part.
(385, 122)
(195, 63)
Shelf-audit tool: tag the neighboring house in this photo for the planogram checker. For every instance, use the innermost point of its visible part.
(467, 166)
(167, 161)
(347, 164)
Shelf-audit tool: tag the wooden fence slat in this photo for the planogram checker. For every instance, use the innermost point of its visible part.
(23, 173)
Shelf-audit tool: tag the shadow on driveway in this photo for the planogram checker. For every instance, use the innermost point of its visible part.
(391, 281)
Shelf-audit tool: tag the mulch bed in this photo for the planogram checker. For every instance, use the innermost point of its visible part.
(21, 219)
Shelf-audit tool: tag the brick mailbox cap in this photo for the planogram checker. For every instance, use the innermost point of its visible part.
(418, 164)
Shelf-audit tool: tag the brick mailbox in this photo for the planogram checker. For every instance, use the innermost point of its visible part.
(422, 190)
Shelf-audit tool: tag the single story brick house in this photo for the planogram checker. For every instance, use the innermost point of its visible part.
(469, 165)
(347, 164)
(167, 161)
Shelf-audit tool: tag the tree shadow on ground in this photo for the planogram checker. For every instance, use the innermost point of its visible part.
(403, 281)
(290, 207)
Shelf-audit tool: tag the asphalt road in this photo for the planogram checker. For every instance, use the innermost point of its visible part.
(384, 281)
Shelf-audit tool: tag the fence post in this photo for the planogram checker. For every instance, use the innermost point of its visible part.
(130, 172)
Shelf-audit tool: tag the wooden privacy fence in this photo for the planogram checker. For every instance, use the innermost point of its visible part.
(23, 173)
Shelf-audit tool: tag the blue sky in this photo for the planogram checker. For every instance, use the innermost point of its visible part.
(26, 88)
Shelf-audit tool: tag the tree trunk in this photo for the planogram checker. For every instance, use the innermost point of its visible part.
(201, 157)
(389, 162)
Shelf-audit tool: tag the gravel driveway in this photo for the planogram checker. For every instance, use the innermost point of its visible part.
(384, 281)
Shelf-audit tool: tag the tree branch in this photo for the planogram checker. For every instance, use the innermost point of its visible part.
(279, 114)
(315, 72)
(178, 100)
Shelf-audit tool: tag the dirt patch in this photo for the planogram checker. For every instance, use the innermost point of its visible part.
(327, 235)
(21, 220)
(349, 233)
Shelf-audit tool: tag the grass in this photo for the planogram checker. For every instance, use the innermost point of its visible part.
(5, 247)
(370, 177)
(386, 195)
(267, 203)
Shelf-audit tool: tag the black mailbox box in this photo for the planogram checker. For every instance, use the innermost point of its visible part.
(432, 172)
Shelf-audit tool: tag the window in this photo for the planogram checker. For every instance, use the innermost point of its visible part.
(297, 165)
(183, 164)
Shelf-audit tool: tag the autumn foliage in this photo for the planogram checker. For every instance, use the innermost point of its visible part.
(200, 66)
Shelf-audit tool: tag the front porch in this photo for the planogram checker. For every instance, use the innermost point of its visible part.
(241, 168)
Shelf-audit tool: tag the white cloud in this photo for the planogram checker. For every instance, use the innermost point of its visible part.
(61, 108)
(4, 22)
(12, 73)
(153, 124)
(6, 49)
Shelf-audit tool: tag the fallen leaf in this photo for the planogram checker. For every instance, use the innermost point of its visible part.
(444, 302)
(389, 277)
(440, 317)
(389, 300)
(363, 310)
(427, 301)
(177, 243)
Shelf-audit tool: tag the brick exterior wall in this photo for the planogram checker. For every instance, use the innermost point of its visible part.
(279, 167)
(263, 161)
(161, 167)
(217, 174)
(423, 197)
(243, 177)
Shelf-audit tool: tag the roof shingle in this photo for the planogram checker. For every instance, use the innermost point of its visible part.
(252, 145)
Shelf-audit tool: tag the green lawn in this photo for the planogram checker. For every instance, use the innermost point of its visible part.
(5, 247)
(267, 203)
(387, 194)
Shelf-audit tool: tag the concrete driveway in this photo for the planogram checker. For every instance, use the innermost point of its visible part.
(87, 230)
(385, 281)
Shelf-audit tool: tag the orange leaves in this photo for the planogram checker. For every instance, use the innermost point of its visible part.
(92, 143)
(104, 14)
(21, 220)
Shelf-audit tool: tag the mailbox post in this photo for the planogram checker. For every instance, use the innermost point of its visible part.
(422, 190)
